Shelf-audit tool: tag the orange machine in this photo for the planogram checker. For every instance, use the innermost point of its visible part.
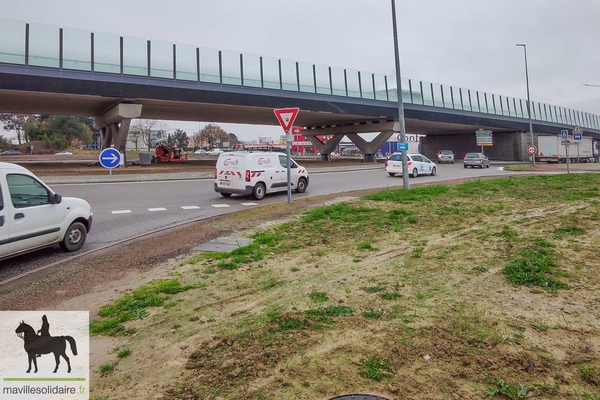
(168, 153)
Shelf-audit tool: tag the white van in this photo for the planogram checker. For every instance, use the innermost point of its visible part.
(257, 173)
(32, 216)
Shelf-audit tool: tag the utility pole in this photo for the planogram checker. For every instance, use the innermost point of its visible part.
(405, 172)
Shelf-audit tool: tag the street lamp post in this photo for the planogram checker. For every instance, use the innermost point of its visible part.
(528, 102)
(405, 182)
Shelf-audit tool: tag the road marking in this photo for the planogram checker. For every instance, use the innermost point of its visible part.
(220, 205)
(157, 209)
(121, 212)
(190, 207)
(249, 204)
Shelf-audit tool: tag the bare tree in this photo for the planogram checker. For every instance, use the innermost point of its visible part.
(196, 142)
(211, 132)
(135, 136)
(17, 123)
(150, 131)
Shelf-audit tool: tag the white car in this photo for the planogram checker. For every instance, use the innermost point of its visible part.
(64, 153)
(201, 151)
(417, 165)
(32, 216)
(215, 152)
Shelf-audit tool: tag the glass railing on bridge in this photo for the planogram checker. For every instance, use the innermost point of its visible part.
(39, 45)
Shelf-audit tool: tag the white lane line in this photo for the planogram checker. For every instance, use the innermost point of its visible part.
(220, 205)
(157, 209)
(249, 204)
(190, 207)
(121, 212)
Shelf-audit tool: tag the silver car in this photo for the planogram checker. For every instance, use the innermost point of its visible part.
(445, 156)
(476, 160)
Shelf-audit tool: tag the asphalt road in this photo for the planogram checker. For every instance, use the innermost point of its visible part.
(126, 210)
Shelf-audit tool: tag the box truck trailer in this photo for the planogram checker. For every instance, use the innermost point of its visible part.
(551, 149)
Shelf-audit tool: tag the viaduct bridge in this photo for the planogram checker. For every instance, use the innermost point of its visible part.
(54, 70)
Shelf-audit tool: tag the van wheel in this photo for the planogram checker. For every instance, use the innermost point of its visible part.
(415, 173)
(433, 171)
(259, 191)
(74, 237)
(225, 194)
(301, 188)
(391, 174)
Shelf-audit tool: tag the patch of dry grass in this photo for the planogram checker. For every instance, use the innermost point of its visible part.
(413, 301)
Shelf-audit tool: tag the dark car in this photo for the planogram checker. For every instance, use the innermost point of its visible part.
(476, 160)
(11, 153)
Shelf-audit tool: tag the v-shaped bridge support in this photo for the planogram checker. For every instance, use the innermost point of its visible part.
(114, 126)
(337, 132)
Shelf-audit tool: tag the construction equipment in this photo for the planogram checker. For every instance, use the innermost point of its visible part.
(166, 152)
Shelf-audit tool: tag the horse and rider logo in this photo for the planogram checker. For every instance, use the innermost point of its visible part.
(39, 343)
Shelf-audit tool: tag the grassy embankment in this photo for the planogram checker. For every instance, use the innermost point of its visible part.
(487, 288)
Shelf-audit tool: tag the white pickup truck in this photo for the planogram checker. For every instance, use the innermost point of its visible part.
(32, 216)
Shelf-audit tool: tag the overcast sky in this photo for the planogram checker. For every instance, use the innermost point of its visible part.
(463, 43)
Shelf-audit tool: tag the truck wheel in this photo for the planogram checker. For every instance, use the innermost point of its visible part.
(301, 188)
(74, 237)
(415, 173)
(259, 191)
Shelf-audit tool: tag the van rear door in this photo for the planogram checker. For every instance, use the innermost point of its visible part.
(231, 171)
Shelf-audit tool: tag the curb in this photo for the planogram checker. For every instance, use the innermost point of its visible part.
(81, 179)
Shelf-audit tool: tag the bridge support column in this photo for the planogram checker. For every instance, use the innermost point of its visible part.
(114, 126)
(369, 149)
(325, 148)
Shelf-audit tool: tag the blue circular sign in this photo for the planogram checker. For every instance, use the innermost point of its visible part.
(110, 158)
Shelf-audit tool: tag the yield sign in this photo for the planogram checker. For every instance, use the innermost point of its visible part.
(286, 117)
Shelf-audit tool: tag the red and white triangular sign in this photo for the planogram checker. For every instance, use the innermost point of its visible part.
(286, 117)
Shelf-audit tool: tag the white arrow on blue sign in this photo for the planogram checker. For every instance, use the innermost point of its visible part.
(110, 158)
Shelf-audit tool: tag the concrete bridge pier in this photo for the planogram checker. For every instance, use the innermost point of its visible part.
(114, 126)
(325, 148)
(337, 132)
(370, 149)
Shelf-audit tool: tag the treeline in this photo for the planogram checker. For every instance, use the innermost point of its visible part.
(59, 131)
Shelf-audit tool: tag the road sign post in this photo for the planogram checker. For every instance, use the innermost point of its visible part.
(577, 137)
(483, 138)
(110, 158)
(286, 118)
(564, 134)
